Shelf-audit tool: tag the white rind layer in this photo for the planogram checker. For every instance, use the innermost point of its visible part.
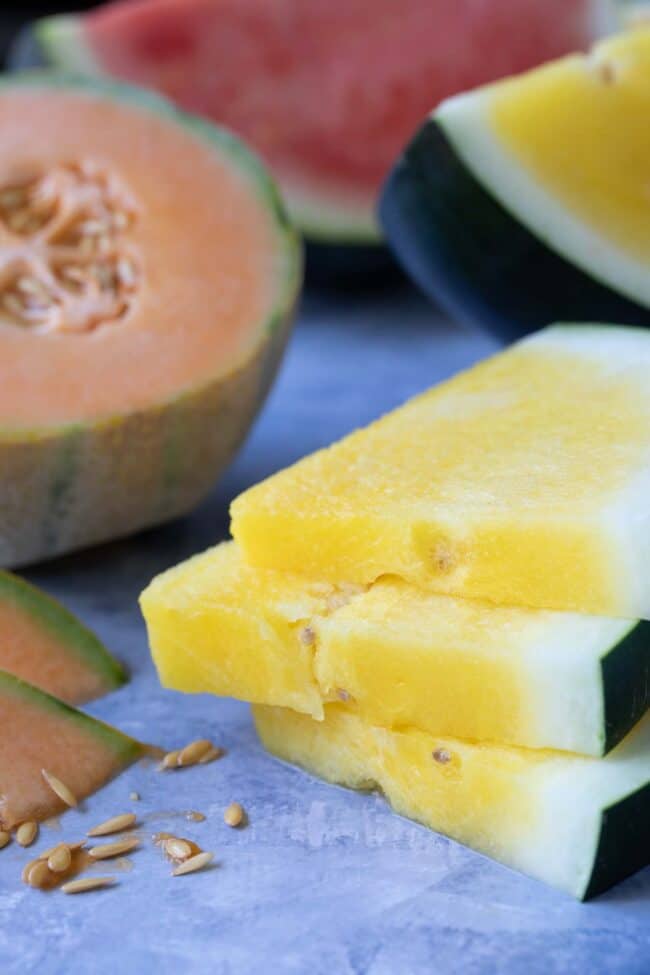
(465, 120)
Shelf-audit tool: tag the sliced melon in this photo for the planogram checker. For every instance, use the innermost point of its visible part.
(527, 200)
(579, 824)
(147, 280)
(41, 732)
(398, 657)
(524, 481)
(328, 93)
(44, 644)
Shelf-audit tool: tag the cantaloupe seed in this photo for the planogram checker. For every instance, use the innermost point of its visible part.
(193, 752)
(38, 874)
(116, 824)
(5, 838)
(177, 849)
(60, 789)
(86, 884)
(234, 815)
(27, 833)
(107, 851)
(60, 859)
(77, 270)
(195, 863)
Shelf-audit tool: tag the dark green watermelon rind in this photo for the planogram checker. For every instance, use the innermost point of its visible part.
(623, 843)
(59, 623)
(124, 750)
(289, 243)
(465, 250)
(625, 673)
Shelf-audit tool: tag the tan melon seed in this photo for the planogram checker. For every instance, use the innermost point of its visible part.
(73, 847)
(193, 864)
(86, 883)
(177, 849)
(193, 752)
(27, 833)
(5, 838)
(170, 760)
(234, 815)
(108, 850)
(60, 789)
(60, 859)
(114, 825)
(39, 874)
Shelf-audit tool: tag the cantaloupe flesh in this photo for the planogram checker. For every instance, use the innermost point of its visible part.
(580, 128)
(213, 254)
(397, 655)
(537, 811)
(523, 481)
(40, 732)
(43, 644)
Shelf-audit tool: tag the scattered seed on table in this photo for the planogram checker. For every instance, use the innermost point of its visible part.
(27, 833)
(170, 760)
(60, 859)
(134, 796)
(194, 752)
(193, 864)
(114, 825)
(234, 814)
(60, 789)
(116, 849)
(73, 847)
(211, 755)
(177, 849)
(86, 883)
(5, 838)
(38, 874)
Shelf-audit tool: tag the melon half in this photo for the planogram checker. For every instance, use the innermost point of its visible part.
(147, 280)
(327, 92)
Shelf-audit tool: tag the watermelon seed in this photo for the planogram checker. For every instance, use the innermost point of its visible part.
(114, 825)
(27, 833)
(87, 883)
(60, 789)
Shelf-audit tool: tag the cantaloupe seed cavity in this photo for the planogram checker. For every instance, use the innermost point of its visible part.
(66, 262)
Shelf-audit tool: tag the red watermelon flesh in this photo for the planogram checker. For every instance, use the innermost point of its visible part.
(328, 92)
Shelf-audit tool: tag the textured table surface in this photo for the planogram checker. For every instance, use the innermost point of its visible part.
(322, 881)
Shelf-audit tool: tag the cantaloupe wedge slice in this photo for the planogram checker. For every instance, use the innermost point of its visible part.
(579, 824)
(44, 644)
(41, 732)
(523, 481)
(398, 656)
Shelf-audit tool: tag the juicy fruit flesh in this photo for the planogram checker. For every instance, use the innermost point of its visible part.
(31, 652)
(340, 94)
(591, 111)
(398, 656)
(44, 735)
(494, 485)
(206, 293)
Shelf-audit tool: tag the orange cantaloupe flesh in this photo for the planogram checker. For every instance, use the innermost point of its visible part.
(209, 253)
(43, 733)
(45, 645)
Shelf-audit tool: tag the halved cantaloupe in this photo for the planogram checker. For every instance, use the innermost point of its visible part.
(44, 644)
(579, 824)
(327, 92)
(528, 200)
(398, 657)
(147, 280)
(523, 481)
(43, 733)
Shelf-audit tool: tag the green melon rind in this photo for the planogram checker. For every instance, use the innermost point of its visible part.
(60, 43)
(123, 748)
(62, 466)
(625, 674)
(75, 639)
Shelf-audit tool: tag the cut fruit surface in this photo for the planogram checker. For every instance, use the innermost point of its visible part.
(579, 824)
(398, 657)
(523, 481)
(44, 733)
(527, 199)
(328, 93)
(44, 644)
(134, 352)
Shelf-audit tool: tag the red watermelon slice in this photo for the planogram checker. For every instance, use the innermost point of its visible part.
(327, 92)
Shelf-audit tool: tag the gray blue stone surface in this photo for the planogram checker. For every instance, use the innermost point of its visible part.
(322, 881)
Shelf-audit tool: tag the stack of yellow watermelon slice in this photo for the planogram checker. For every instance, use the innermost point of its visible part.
(449, 605)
